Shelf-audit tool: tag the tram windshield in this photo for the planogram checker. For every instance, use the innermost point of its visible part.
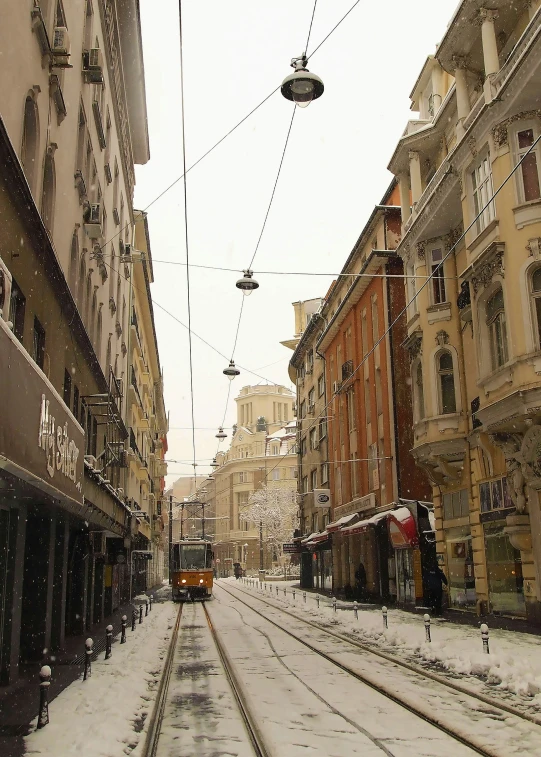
(191, 556)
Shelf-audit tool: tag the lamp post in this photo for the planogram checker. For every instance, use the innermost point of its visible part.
(171, 539)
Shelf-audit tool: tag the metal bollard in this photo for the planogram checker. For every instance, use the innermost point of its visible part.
(426, 618)
(355, 612)
(123, 624)
(265, 587)
(150, 600)
(484, 636)
(108, 642)
(385, 619)
(293, 594)
(44, 683)
(276, 591)
(334, 604)
(285, 591)
(140, 614)
(133, 619)
(146, 609)
(304, 597)
(317, 600)
(89, 650)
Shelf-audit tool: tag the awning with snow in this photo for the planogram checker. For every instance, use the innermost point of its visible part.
(338, 524)
(364, 525)
(402, 529)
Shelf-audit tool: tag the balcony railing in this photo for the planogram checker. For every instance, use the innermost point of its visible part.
(136, 388)
(347, 370)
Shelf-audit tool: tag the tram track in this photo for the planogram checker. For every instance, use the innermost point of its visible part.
(437, 722)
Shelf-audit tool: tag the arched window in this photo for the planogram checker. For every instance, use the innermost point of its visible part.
(74, 260)
(536, 303)
(497, 330)
(29, 148)
(418, 391)
(446, 383)
(49, 191)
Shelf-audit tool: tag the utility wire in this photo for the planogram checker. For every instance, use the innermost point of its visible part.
(333, 30)
(310, 29)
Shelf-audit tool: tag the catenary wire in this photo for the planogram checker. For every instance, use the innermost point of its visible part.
(310, 28)
(333, 30)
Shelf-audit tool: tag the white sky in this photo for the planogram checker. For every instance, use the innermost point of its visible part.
(235, 54)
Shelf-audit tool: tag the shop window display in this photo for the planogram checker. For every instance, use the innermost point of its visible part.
(504, 570)
(460, 573)
(494, 495)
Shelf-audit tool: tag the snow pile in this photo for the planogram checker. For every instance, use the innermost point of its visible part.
(513, 665)
(105, 715)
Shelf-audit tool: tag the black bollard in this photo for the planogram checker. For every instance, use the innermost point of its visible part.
(150, 600)
(146, 609)
(123, 624)
(108, 642)
(140, 614)
(355, 610)
(89, 650)
(44, 683)
(385, 618)
(133, 619)
(427, 627)
(484, 636)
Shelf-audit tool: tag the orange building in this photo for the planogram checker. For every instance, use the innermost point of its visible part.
(375, 485)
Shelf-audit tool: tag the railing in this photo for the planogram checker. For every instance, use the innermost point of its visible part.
(136, 388)
(347, 370)
(531, 31)
(135, 324)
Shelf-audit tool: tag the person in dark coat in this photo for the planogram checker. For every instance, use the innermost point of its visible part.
(435, 581)
(360, 582)
(237, 570)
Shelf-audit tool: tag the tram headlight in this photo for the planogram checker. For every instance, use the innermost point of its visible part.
(183, 581)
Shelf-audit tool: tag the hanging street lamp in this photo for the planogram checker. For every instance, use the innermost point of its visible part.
(231, 371)
(221, 435)
(247, 283)
(302, 86)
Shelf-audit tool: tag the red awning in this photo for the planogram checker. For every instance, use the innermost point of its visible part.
(323, 536)
(364, 525)
(402, 529)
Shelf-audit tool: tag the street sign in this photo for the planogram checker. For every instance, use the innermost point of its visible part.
(291, 548)
(141, 554)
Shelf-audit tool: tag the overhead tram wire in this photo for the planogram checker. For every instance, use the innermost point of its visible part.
(310, 27)
(418, 292)
(332, 30)
(186, 235)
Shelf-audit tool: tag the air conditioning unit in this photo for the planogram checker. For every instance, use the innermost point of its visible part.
(61, 41)
(5, 291)
(91, 460)
(93, 221)
(93, 65)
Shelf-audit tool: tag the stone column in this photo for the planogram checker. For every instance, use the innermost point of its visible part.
(415, 177)
(404, 186)
(488, 37)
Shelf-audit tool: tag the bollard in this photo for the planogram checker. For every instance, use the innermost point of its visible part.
(123, 624)
(44, 683)
(304, 597)
(146, 609)
(385, 620)
(133, 619)
(285, 591)
(276, 591)
(355, 612)
(427, 626)
(317, 600)
(484, 636)
(140, 614)
(334, 604)
(265, 587)
(89, 649)
(108, 642)
(293, 594)
(150, 600)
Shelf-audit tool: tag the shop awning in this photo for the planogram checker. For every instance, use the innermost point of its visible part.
(364, 525)
(317, 538)
(402, 528)
(338, 524)
(309, 538)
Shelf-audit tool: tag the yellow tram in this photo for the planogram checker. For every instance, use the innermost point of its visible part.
(191, 570)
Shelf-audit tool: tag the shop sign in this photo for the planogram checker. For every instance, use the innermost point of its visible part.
(292, 548)
(38, 433)
(322, 498)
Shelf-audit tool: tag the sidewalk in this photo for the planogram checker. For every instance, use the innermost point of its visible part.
(19, 702)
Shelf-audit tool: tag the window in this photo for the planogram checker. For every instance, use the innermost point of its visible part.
(375, 319)
(528, 173)
(411, 289)
(310, 362)
(303, 409)
(382, 463)
(276, 474)
(418, 390)
(446, 382)
(322, 428)
(30, 140)
(536, 297)
(455, 504)
(350, 398)
(59, 16)
(494, 495)
(66, 394)
(303, 446)
(313, 438)
(482, 188)
(373, 478)
(305, 484)
(367, 401)
(38, 344)
(315, 523)
(354, 482)
(379, 395)
(48, 195)
(311, 397)
(497, 330)
(75, 405)
(242, 477)
(364, 333)
(313, 479)
(321, 385)
(74, 260)
(438, 281)
(325, 473)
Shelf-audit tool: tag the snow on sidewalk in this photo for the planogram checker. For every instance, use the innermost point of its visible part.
(513, 665)
(105, 715)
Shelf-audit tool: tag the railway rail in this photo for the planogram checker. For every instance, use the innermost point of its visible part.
(472, 742)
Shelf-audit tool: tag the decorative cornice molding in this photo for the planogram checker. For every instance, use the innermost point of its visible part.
(485, 273)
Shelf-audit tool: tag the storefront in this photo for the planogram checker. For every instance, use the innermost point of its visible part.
(404, 540)
(460, 572)
(320, 551)
(504, 571)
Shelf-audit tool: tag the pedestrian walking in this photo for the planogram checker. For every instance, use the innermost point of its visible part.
(435, 581)
(360, 582)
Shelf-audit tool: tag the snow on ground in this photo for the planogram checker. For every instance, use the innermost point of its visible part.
(513, 665)
(104, 716)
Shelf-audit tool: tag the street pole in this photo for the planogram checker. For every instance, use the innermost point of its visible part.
(203, 520)
(171, 539)
(181, 520)
(261, 566)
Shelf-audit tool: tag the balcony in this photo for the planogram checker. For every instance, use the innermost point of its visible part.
(134, 389)
(135, 327)
(347, 370)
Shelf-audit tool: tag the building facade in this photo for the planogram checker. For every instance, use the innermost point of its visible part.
(473, 331)
(262, 452)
